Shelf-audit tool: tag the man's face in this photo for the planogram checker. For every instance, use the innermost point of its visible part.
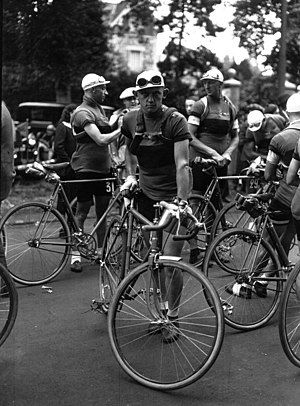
(99, 93)
(130, 102)
(212, 87)
(188, 105)
(151, 99)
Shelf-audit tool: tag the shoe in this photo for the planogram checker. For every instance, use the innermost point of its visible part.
(170, 331)
(260, 289)
(239, 289)
(194, 254)
(76, 267)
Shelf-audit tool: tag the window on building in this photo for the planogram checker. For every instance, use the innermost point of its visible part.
(135, 60)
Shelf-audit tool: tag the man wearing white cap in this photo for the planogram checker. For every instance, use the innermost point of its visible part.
(157, 139)
(261, 129)
(129, 99)
(91, 159)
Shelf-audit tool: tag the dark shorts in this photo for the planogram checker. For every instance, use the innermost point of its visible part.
(280, 213)
(86, 190)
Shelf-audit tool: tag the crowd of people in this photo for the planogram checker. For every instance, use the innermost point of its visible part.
(167, 146)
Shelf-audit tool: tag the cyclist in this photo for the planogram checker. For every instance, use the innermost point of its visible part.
(91, 159)
(281, 150)
(118, 147)
(157, 139)
(214, 127)
(261, 129)
(293, 107)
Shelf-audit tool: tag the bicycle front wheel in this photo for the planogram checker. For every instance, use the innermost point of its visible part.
(37, 242)
(112, 262)
(8, 304)
(154, 350)
(289, 317)
(248, 302)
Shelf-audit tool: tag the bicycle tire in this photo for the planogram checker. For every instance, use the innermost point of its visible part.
(231, 217)
(206, 214)
(37, 242)
(112, 262)
(240, 246)
(140, 352)
(289, 317)
(8, 304)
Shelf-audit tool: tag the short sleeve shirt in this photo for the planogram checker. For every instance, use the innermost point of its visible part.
(157, 169)
(218, 121)
(89, 156)
(281, 149)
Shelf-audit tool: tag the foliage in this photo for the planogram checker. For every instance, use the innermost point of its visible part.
(53, 43)
(255, 19)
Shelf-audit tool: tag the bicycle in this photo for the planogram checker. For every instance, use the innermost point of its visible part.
(123, 244)
(289, 317)
(8, 304)
(250, 272)
(138, 321)
(38, 239)
(208, 212)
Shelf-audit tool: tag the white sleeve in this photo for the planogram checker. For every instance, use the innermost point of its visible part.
(194, 120)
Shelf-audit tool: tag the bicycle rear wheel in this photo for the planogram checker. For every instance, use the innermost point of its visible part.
(289, 317)
(8, 304)
(231, 217)
(37, 242)
(141, 351)
(247, 302)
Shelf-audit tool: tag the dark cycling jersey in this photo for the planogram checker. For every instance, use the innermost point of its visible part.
(155, 152)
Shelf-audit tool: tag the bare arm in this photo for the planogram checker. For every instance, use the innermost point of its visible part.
(183, 176)
(202, 148)
(130, 162)
(99, 138)
(292, 171)
(270, 171)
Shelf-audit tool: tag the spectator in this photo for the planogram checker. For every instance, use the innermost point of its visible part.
(158, 141)
(46, 144)
(91, 159)
(261, 129)
(7, 163)
(189, 102)
(64, 146)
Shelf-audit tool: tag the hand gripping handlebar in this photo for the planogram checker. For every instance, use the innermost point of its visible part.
(171, 211)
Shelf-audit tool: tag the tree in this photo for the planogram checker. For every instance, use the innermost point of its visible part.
(54, 43)
(255, 19)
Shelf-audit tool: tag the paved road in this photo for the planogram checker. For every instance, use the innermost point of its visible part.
(59, 354)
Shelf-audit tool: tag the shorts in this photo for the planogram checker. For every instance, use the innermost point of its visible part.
(87, 190)
(280, 213)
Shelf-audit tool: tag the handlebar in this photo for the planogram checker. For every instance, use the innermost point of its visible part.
(173, 211)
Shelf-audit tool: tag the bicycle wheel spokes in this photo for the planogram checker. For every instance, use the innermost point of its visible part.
(138, 327)
(8, 304)
(36, 243)
(248, 302)
(289, 317)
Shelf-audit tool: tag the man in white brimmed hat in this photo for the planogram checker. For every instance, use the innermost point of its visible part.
(91, 159)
